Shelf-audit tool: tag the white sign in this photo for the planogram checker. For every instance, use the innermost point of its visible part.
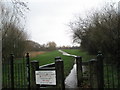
(47, 77)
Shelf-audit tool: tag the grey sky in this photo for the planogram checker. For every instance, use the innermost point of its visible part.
(48, 19)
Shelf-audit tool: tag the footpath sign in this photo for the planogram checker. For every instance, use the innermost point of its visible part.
(45, 77)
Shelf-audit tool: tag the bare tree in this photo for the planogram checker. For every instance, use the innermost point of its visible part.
(12, 17)
(12, 11)
(51, 45)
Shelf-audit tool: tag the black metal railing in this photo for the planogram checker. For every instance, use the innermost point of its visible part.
(111, 73)
(14, 73)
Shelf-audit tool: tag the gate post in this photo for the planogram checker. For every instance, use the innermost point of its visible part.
(28, 70)
(93, 73)
(59, 66)
(34, 67)
(12, 70)
(79, 70)
(100, 67)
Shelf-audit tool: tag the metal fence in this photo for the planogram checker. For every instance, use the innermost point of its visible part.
(111, 73)
(99, 73)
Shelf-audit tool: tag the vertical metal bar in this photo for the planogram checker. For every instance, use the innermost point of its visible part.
(7, 71)
(28, 70)
(16, 66)
(105, 75)
(118, 76)
(108, 76)
(12, 70)
(4, 71)
(22, 75)
(18, 76)
(15, 76)
(112, 76)
(22, 72)
(19, 73)
(6, 74)
(3, 75)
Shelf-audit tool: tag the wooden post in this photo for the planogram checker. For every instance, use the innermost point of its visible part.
(34, 67)
(28, 70)
(59, 66)
(12, 70)
(100, 68)
(93, 73)
(79, 70)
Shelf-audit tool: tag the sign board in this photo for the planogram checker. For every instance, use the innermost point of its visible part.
(46, 77)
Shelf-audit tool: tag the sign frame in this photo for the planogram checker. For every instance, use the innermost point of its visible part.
(47, 70)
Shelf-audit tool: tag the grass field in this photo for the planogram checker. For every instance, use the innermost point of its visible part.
(49, 57)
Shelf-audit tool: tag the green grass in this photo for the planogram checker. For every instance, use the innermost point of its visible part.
(85, 55)
(49, 57)
(46, 58)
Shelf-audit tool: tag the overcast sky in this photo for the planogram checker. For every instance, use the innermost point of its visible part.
(48, 19)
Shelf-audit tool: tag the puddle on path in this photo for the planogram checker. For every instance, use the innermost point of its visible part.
(71, 80)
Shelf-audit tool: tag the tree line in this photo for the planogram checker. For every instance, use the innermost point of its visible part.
(99, 31)
(34, 46)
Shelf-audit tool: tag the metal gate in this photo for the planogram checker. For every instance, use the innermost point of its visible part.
(15, 73)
